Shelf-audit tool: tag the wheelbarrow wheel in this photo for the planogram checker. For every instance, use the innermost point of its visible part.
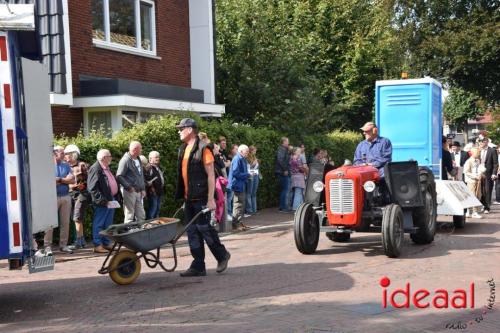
(130, 270)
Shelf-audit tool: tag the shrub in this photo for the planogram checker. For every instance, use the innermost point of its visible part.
(161, 135)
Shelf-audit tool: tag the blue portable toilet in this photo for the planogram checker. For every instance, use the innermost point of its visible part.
(409, 113)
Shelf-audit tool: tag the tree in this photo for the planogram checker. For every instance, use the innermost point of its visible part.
(461, 106)
(494, 128)
(455, 41)
(303, 66)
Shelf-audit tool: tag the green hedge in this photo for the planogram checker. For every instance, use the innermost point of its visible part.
(160, 134)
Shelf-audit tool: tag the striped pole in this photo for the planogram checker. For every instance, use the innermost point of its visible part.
(11, 160)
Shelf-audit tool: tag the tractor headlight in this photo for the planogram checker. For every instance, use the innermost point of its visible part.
(369, 186)
(318, 186)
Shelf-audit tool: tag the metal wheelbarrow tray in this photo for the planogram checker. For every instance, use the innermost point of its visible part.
(140, 239)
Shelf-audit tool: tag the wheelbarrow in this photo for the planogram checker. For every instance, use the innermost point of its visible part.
(136, 240)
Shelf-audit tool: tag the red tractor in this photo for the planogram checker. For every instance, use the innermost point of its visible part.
(355, 198)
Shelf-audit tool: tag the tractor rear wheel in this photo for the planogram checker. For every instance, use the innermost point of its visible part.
(306, 229)
(392, 230)
(338, 236)
(425, 217)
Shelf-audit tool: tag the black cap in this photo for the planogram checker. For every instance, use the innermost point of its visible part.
(187, 122)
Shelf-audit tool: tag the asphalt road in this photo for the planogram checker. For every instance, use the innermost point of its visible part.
(269, 287)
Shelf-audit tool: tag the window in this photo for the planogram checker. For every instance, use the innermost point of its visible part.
(100, 121)
(124, 24)
(129, 118)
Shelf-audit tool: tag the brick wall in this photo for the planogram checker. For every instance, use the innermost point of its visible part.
(66, 121)
(172, 45)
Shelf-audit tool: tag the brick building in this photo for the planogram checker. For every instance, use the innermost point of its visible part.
(112, 63)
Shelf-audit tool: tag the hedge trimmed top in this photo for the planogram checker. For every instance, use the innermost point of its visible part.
(160, 134)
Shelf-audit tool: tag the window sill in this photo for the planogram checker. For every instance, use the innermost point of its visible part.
(117, 48)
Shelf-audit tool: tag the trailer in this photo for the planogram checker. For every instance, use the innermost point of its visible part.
(27, 189)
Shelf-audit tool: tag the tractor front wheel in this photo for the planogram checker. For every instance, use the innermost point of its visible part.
(392, 230)
(306, 229)
(339, 237)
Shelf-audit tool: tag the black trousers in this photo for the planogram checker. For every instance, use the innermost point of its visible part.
(497, 189)
(200, 232)
(486, 190)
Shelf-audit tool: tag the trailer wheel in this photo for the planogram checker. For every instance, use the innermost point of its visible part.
(339, 237)
(392, 230)
(130, 270)
(425, 217)
(459, 220)
(306, 229)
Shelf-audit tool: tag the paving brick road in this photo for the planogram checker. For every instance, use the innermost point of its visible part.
(269, 287)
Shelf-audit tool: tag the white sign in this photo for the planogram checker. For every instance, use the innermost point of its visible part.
(453, 197)
(17, 17)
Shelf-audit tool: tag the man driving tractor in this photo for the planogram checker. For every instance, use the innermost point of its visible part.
(374, 150)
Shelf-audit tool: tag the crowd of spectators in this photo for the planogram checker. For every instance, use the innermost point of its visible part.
(476, 165)
(138, 187)
(139, 182)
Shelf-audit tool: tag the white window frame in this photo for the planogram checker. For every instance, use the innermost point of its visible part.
(138, 50)
(67, 98)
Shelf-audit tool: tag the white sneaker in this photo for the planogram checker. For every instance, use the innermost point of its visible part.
(48, 251)
(486, 211)
(66, 249)
(247, 215)
(476, 216)
(40, 253)
(229, 218)
(496, 203)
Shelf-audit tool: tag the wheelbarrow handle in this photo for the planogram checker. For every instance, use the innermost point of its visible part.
(203, 211)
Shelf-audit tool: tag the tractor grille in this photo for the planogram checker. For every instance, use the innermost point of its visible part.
(341, 196)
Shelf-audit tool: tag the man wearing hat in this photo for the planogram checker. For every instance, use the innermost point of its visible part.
(458, 157)
(196, 185)
(374, 150)
(489, 160)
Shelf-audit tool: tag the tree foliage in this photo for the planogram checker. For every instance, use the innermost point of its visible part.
(286, 63)
(455, 41)
(461, 106)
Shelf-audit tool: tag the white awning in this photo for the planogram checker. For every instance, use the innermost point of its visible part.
(17, 17)
(153, 104)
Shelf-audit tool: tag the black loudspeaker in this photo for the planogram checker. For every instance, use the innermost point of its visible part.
(403, 183)
(316, 172)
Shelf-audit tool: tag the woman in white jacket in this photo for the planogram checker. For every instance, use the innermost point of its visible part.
(473, 174)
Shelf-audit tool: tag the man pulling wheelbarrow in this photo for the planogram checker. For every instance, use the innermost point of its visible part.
(196, 185)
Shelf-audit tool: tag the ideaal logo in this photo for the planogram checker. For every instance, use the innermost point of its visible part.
(423, 298)
(440, 299)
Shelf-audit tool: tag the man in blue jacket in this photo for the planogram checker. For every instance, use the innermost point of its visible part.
(374, 150)
(238, 174)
